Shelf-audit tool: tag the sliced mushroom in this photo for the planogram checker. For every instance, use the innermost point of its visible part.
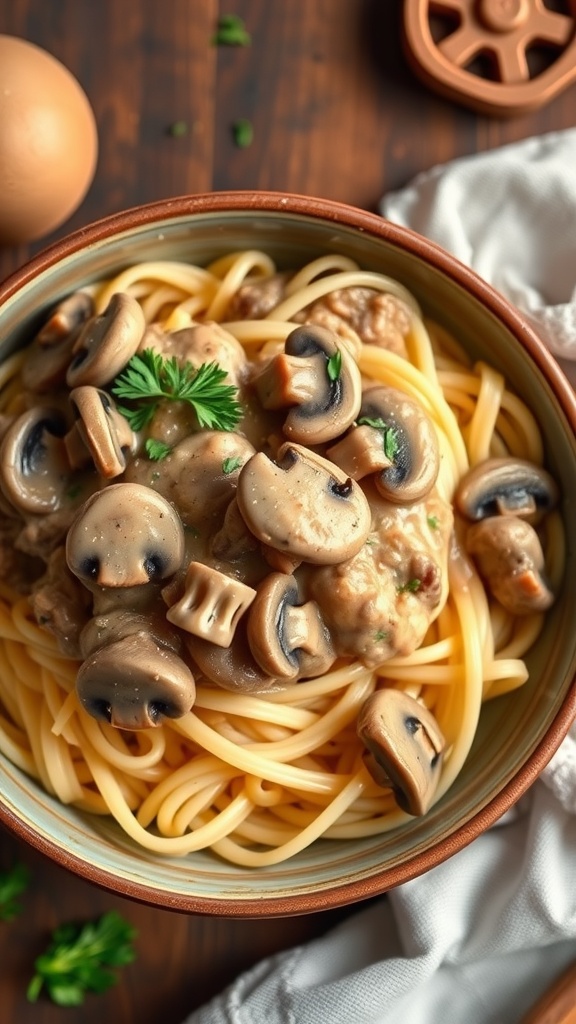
(51, 350)
(134, 683)
(125, 535)
(107, 342)
(509, 557)
(34, 467)
(288, 638)
(303, 505)
(234, 667)
(203, 472)
(318, 377)
(212, 604)
(395, 439)
(101, 434)
(506, 486)
(405, 746)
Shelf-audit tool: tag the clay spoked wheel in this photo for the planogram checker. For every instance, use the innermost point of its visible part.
(504, 34)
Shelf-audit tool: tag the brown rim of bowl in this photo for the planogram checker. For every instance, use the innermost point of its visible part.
(371, 224)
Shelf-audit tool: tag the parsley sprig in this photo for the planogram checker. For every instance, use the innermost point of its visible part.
(12, 884)
(149, 378)
(82, 958)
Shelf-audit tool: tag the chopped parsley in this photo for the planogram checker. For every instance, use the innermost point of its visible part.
(82, 958)
(334, 365)
(380, 635)
(389, 435)
(149, 377)
(243, 133)
(156, 449)
(12, 884)
(411, 587)
(178, 129)
(231, 31)
(432, 522)
(231, 465)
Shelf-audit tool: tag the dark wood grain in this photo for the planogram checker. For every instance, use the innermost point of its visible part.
(335, 113)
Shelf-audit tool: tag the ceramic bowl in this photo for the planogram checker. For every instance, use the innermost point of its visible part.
(518, 733)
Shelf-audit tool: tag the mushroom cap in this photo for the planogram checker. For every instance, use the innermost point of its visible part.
(510, 559)
(288, 638)
(34, 467)
(134, 683)
(107, 342)
(405, 746)
(410, 437)
(506, 486)
(303, 505)
(123, 536)
(324, 403)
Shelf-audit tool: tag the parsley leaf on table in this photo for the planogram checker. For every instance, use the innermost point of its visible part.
(12, 884)
(82, 958)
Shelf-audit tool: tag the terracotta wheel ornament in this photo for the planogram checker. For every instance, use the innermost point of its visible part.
(502, 33)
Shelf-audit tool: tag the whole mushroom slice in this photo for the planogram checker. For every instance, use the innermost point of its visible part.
(34, 467)
(506, 486)
(319, 378)
(51, 350)
(288, 637)
(212, 604)
(135, 683)
(107, 342)
(101, 434)
(405, 747)
(303, 505)
(509, 557)
(395, 440)
(125, 535)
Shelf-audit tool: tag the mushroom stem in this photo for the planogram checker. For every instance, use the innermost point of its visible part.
(212, 604)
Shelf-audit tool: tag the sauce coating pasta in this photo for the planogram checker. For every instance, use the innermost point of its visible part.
(258, 776)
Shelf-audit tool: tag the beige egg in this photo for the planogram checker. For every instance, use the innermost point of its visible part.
(48, 142)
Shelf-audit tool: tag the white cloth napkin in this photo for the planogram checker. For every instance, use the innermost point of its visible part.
(480, 937)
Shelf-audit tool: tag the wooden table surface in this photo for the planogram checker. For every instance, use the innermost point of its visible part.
(335, 113)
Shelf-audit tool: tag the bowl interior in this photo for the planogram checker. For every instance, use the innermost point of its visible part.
(517, 732)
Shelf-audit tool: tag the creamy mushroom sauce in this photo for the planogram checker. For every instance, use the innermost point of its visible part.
(249, 557)
(375, 603)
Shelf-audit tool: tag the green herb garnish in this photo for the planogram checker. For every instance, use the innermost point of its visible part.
(432, 522)
(81, 958)
(156, 449)
(12, 884)
(334, 365)
(381, 634)
(177, 129)
(243, 133)
(411, 587)
(389, 435)
(231, 31)
(148, 378)
(231, 465)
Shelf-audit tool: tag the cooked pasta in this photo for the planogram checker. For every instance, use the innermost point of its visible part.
(259, 777)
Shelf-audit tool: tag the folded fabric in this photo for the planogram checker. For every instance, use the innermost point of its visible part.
(510, 214)
(477, 939)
